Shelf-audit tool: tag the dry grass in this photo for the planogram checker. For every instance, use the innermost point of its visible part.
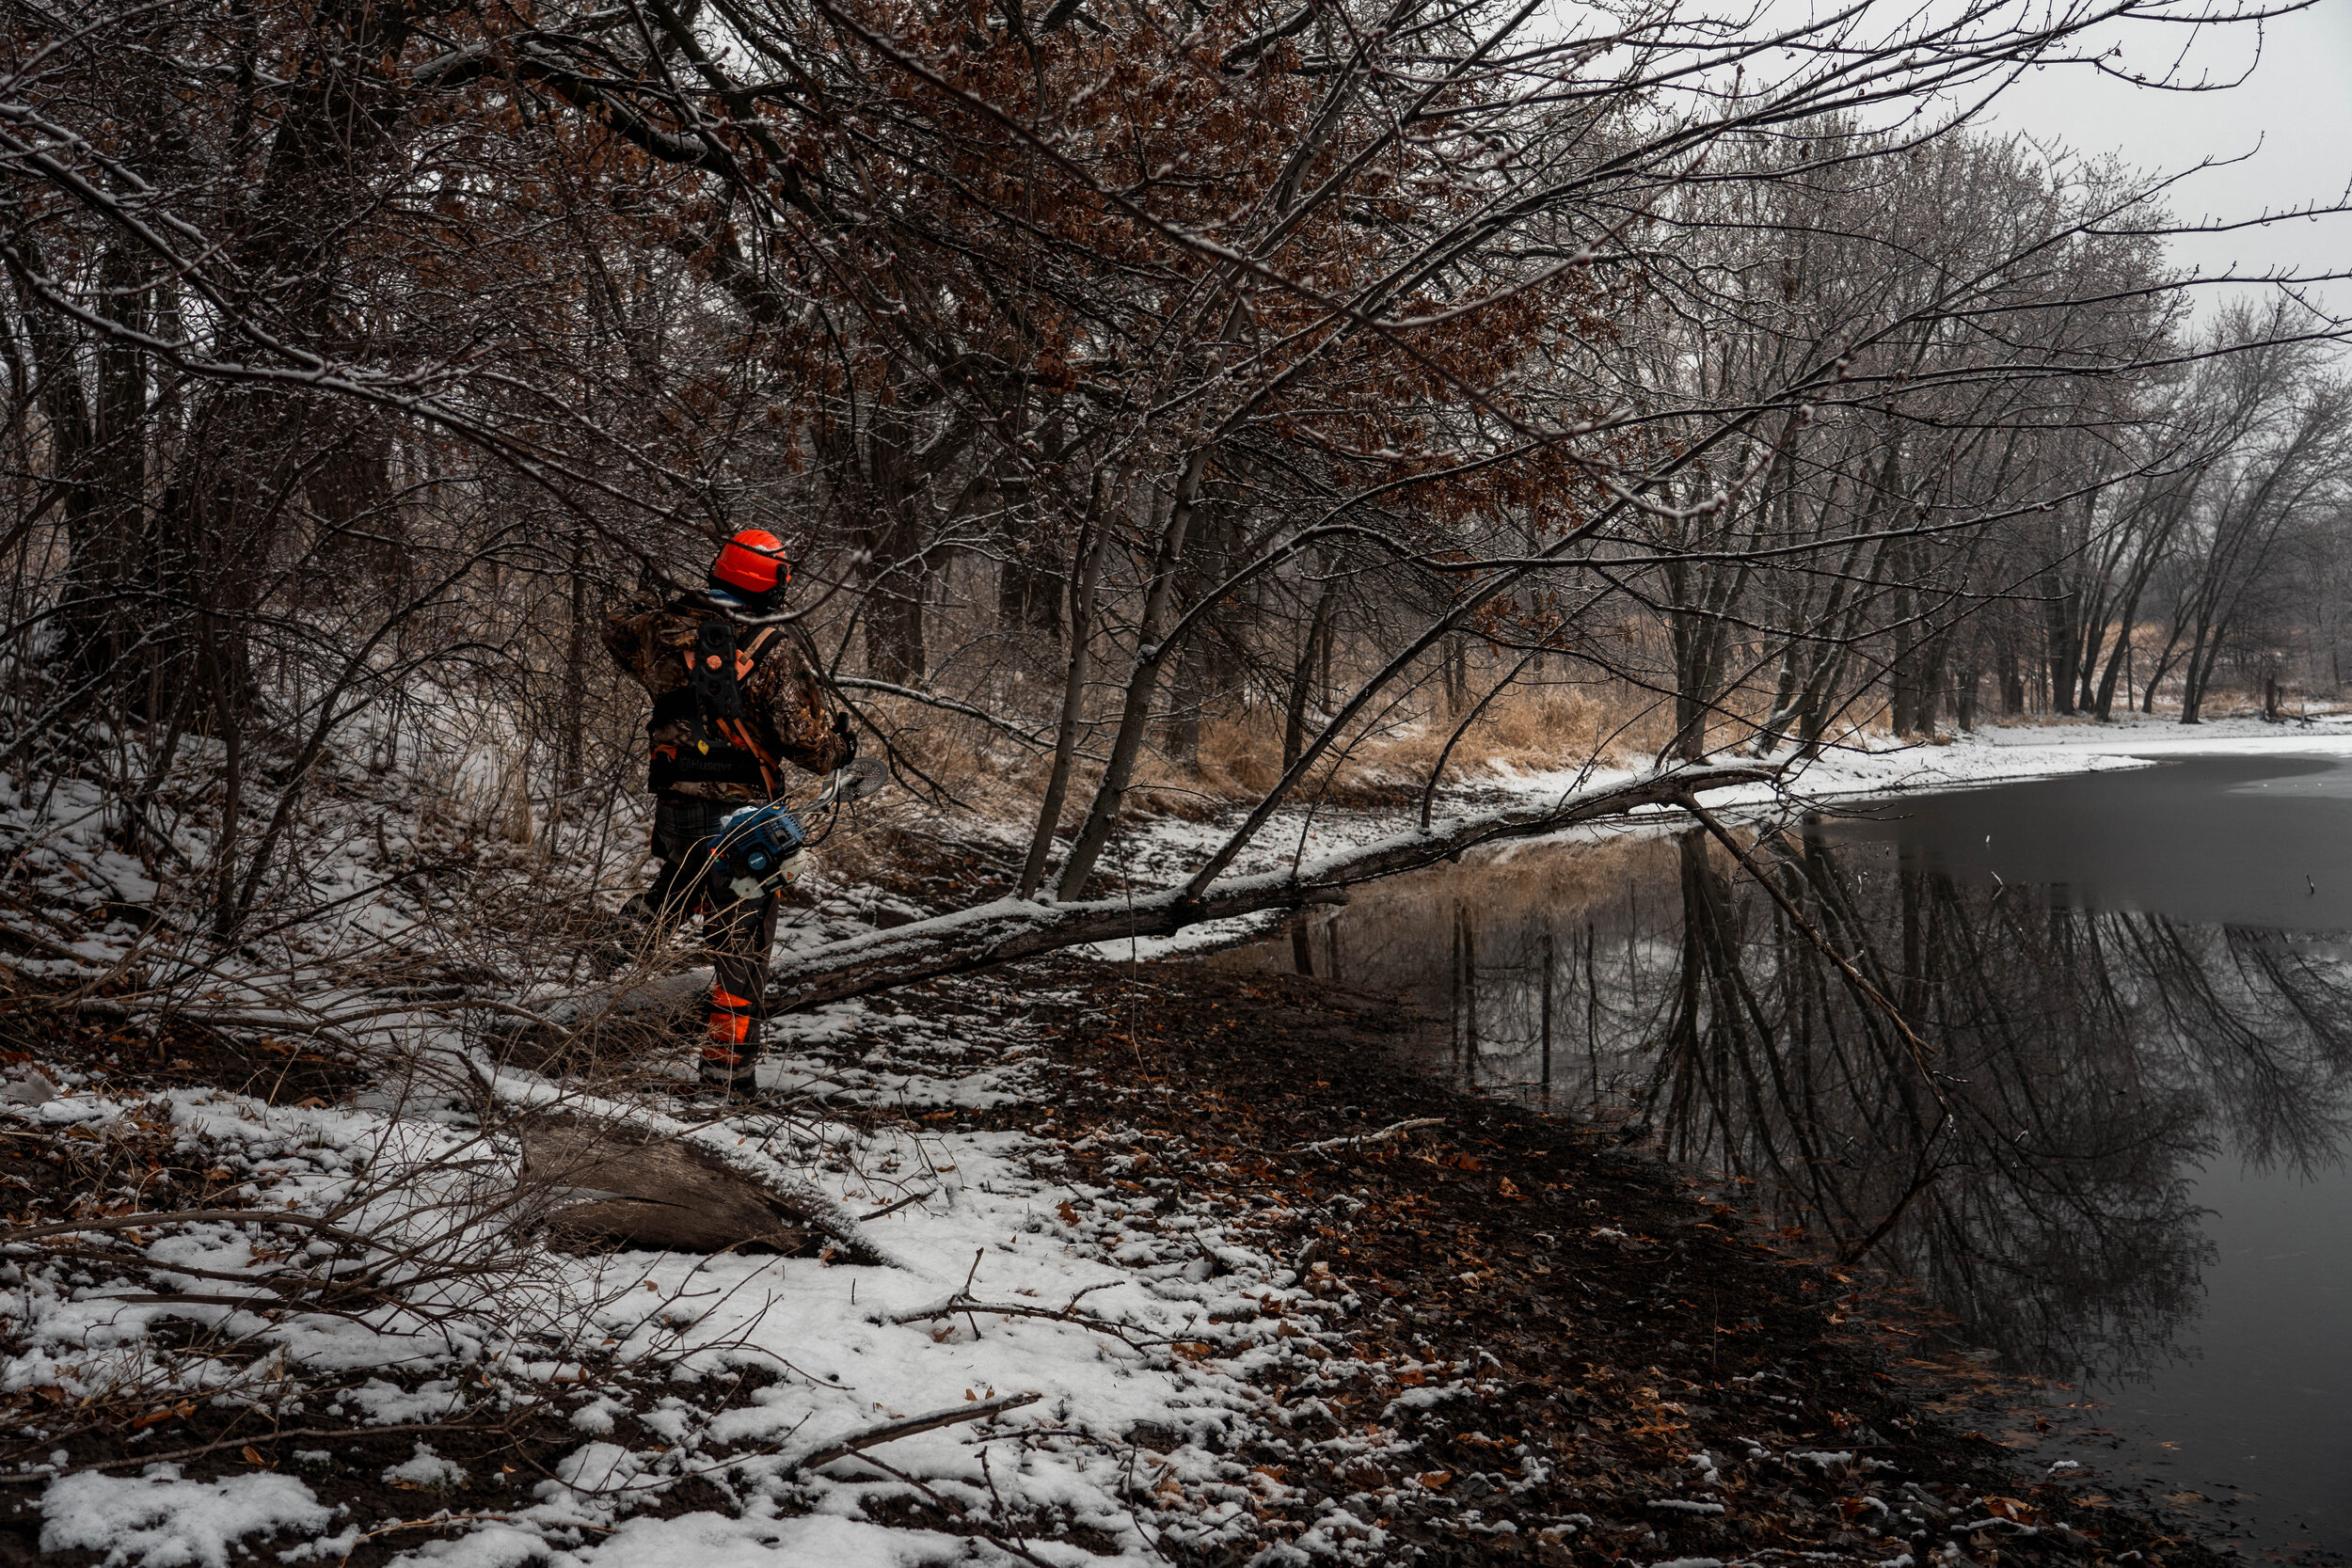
(1533, 728)
(1526, 728)
(1240, 756)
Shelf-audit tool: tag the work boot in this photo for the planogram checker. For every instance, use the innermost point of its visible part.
(735, 1080)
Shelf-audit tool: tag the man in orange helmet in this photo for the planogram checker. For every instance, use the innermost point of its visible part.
(735, 698)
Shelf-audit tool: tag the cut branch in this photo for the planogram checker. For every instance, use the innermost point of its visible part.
(1394, 1130)
(890, 1432)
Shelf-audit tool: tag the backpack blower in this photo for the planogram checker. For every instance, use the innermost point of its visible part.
(755, 852)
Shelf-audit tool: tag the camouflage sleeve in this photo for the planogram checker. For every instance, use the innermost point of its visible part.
(798, 714)
(627, 637)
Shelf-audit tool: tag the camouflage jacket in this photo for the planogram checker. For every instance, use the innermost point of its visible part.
(785, 717)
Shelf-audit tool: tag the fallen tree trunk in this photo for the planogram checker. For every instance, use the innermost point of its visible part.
(1009, 929)
(1014, 928)
(633, 1188)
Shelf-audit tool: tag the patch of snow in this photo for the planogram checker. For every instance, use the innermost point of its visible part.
(714, 1541)
(427, 1471)
(156, 1520)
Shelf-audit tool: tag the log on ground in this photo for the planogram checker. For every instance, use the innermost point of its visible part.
(616, 1188)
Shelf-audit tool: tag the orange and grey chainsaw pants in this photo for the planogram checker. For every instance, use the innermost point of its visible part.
(738, 932)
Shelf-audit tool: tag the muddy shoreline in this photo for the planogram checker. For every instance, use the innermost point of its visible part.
(1545, 1345)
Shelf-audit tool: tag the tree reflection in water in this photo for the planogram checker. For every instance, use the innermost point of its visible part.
(2029, 1160)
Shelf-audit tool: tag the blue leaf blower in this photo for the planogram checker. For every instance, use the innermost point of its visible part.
(754, 850)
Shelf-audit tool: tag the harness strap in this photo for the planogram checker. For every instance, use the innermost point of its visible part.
(732, 731)
(747, 655)
(738, 735)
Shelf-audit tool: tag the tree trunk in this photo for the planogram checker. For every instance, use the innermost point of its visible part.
(1030, 586)
(572, 769)
(1302, 676)
(1928, 683)
(226, 687)
(2060, 630)
(2196, 670)
(963, 941)
(351, 489)
(1142, 683)
(1768, 735)
(898, 581)
(1180, 735)
(1073, 694)
(1902, 678)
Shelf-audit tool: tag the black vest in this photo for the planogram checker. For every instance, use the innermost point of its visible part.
(721, 746)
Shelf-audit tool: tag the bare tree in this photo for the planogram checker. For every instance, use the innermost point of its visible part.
(1279, 362)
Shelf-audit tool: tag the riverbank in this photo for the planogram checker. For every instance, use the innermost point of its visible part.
(2007, 753)
(1135, 1293)
(1552, 1348)
(1157, 1197)
(1164, 850)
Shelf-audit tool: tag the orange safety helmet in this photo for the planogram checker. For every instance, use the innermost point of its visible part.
(753, 562)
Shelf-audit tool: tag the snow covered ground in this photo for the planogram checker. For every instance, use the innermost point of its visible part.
(143, 1360)
(1136, 1323)
(1127, 1325)
(2003, 754)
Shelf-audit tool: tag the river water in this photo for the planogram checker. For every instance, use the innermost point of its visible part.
(2075, 1054)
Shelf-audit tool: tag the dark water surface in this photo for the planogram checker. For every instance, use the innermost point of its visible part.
(2123, 1158)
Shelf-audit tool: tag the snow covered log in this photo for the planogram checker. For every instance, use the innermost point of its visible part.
(1008, 929)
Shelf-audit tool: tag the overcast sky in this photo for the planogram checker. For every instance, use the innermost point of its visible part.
(2291, 120)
